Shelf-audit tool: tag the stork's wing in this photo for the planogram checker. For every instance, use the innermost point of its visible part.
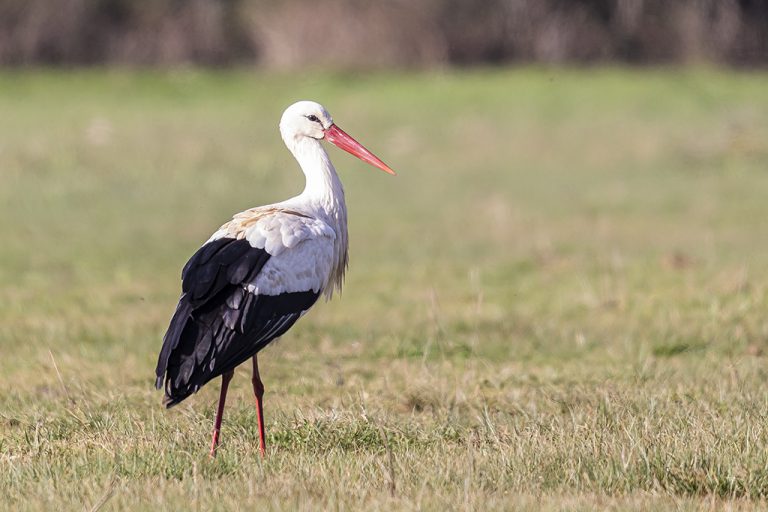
(238, 294)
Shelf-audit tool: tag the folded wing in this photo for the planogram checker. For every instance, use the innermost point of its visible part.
(244, 288)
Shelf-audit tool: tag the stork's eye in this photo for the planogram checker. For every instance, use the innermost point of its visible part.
(313, 118)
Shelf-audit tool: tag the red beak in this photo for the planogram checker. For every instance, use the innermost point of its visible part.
(341, 139)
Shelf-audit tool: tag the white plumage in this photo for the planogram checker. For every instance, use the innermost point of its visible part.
(301, 247)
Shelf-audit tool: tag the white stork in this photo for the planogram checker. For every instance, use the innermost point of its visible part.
(261, 271)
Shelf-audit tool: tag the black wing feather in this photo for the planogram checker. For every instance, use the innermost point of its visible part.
(218, 324)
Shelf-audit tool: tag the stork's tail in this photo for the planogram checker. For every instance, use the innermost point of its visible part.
(169, 401)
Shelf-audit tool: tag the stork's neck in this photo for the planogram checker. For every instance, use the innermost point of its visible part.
(324, 195)
(323, 186)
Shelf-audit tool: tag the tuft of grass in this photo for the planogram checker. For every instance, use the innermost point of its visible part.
(559, 303)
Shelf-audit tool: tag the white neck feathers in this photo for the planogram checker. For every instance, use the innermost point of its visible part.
(323, 185)
(324, 195)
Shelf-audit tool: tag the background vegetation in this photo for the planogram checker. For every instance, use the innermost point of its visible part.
(363, 34)
(559, 303)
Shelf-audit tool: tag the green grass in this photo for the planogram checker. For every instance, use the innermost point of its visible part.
(559, 303)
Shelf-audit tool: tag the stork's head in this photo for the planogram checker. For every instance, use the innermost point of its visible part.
(310, 119)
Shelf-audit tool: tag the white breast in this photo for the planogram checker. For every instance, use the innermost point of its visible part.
(306, 266)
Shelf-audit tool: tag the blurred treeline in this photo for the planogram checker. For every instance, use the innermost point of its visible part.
(383, 33)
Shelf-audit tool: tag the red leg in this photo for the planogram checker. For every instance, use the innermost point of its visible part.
(258, 391)
(220, 412)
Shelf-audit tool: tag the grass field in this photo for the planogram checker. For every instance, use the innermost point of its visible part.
(560, 302)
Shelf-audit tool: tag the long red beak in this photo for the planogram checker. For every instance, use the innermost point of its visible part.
(341, 139)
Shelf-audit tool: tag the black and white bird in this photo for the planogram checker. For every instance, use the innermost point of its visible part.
(261, 271)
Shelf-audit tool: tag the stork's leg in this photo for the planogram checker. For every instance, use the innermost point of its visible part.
(258, 391)
(220, 411)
